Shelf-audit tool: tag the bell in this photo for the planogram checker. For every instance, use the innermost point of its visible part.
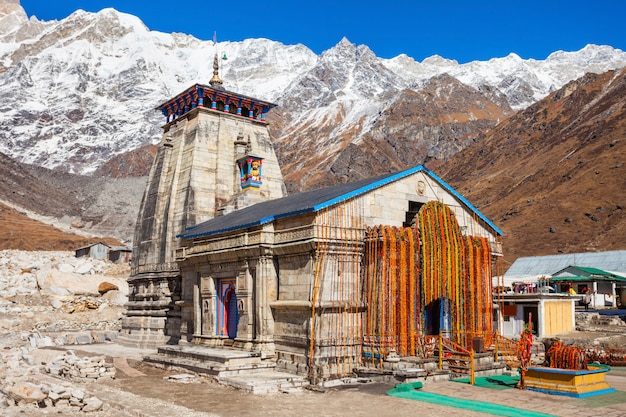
(224, 57)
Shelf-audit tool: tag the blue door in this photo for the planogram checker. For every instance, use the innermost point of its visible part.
(227, 314)
(438, 317)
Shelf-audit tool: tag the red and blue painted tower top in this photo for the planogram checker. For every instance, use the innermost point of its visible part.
(214, 98)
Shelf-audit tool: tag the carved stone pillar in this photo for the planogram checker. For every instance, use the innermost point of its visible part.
(207, 296)
(197, 306)
(246, 328)
(266, 291)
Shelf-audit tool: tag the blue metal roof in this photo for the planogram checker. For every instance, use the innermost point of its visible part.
(613, 261)
(310, 202)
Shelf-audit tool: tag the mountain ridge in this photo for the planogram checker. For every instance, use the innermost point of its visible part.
(87, 84)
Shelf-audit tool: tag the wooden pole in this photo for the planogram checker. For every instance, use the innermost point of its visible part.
(472, 367)
(440, 351)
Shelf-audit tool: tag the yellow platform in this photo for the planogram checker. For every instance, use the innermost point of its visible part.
(573, 383)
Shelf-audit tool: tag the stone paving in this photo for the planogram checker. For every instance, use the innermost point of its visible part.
(535, 401)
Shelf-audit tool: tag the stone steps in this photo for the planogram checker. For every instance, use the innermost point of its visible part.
(206, 366)
(267, 382)
(240, 369)
(225, 356)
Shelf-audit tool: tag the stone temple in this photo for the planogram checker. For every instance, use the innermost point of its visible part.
(321, 282)
(210, 136)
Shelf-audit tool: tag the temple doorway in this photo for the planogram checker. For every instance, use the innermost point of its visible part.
(227, 315)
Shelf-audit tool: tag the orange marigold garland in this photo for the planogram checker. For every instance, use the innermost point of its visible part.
(524, 349)
(455, 267)
(566, 357)
(407, 269)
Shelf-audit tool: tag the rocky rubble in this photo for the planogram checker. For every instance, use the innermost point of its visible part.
(47, 300)
(51, 395)
(25, 387)
(39, 290)
(593, 322)
(72, 367)
(56, 274)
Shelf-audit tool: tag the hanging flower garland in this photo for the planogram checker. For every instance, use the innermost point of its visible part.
(410, 268)
(456, 267)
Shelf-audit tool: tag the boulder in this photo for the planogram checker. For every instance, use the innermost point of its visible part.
(106, 286)
(55, 290)
(4, 400)
(27, 393)
(56, 304)
(66, 268)
(84, 268)
(115, 297)
(77, 224)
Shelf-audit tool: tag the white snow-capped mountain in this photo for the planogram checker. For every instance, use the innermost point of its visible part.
(82, 89)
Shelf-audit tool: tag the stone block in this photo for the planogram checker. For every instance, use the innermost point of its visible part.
(92, 404)
(83, 339)
(78, 394)
(26, 393)
(99, 337)
(60, 341)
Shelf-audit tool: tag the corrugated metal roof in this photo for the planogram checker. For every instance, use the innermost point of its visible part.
(588, 278)
(92, 244)
(121, 248)
(591, 273)
(310, 202)
(613, 261)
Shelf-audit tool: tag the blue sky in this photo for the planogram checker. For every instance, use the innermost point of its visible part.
(462, 30)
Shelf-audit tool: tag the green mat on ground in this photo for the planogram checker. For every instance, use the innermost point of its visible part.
(412, 392)
(493, 382)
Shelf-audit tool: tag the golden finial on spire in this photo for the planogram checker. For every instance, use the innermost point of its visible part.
(216, 81)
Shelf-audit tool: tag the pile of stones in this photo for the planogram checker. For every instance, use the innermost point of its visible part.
(24, 386)
(592, 321)
(49, 395)
(73, 367)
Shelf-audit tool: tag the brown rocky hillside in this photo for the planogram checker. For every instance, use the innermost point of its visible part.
(95, 205)
(553, 177)
(134, 163)
(18, 231)
(436, 121)
(21, 186)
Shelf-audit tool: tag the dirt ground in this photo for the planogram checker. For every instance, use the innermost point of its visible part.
(140, 389)
(144, 390)
(209, 397)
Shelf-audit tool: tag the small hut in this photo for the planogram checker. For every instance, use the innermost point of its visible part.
(96, 250)
(120, 254)
(605, 287)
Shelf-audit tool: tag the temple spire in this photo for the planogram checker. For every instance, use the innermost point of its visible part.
(216, 81)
